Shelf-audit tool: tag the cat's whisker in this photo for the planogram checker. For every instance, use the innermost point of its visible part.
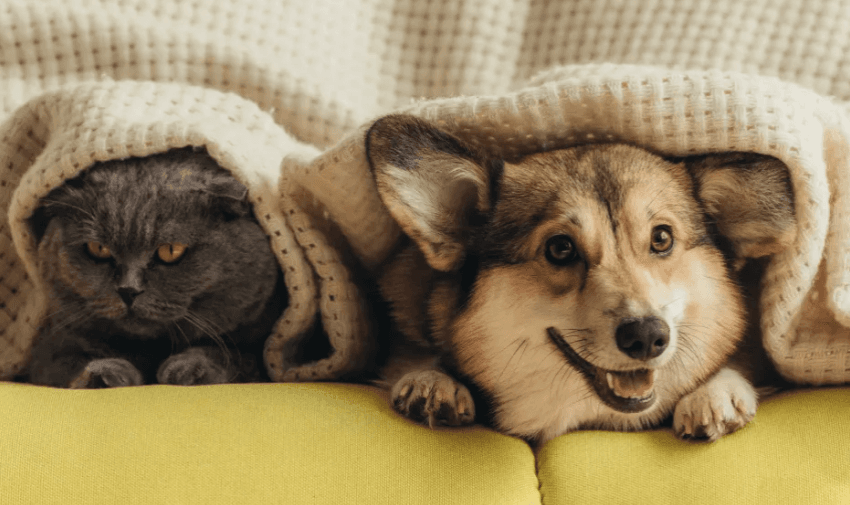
(205, 326)
(209, 329)
(65, 317)
(85, 212)
(173, 334)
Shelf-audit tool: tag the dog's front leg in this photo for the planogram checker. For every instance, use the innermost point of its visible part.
(423, 392)
(724, 404)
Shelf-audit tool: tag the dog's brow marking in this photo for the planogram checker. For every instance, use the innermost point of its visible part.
(609, 190)
(660, 191)
(574, 220)
(610, 215)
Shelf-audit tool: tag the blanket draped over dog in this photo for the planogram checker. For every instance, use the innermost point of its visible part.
(324, 69)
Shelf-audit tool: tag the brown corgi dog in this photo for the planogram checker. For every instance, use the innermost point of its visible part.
(589, 287)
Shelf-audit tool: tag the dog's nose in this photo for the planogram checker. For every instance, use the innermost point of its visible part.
(643, 338)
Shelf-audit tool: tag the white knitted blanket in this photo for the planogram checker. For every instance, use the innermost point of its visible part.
(806, 289)
(56, 135)
(323, 69)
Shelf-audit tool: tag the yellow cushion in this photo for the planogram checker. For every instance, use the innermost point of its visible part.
(257, 444)
(797, 450)
(332, 443)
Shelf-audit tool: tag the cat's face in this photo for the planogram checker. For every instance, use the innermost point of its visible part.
(143, 244)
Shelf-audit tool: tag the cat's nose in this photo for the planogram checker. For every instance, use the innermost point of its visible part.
(128, 295)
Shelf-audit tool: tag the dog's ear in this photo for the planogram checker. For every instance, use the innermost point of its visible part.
(433, 185)
(750, 198)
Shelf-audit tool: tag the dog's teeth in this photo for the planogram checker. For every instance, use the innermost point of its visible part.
(631, 385)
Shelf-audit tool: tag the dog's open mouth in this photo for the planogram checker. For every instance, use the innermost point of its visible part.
(627, 392)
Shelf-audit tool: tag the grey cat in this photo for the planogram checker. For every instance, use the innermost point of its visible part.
(158, 272)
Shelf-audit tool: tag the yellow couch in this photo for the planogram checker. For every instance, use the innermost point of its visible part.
(338, 444)
(324, 68)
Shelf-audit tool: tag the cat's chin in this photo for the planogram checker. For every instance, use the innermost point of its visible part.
(138, 326)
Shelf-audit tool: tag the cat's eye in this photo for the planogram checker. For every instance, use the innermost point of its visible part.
(98, 250)
(561, 250)
(170, 253)
(661, 240)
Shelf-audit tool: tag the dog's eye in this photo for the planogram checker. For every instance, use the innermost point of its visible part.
(560, 250)
(662, 239)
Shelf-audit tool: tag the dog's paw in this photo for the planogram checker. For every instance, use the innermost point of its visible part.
(189, 368)
(107, 373)
(433, 397)
(724, 404)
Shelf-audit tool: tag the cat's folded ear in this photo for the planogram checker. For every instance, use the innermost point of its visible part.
(750, 199)
(52, 205)
(432, 184)
(230, 195)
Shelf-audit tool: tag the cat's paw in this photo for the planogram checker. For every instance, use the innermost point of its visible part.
(433, 397)
(191, 367)
(724, 404)
(107, 373)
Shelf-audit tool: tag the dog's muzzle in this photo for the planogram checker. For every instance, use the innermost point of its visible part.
(627, 392)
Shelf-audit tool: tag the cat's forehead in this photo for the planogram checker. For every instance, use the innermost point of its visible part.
(168, 172)
(138, 222)
(135, 205)
(142, 202)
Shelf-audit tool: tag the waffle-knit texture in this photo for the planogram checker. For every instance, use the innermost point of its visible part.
(324, 68)
(56, 135)
(805, 302)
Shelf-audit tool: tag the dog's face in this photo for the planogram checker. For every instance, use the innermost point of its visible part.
(599, 297)
(602, 299)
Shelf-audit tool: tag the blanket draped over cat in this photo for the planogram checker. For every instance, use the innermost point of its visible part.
(325, 78)
(55, 136)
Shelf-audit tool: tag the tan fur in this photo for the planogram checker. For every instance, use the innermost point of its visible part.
(427, 214)
(749, 209)
(495, 331)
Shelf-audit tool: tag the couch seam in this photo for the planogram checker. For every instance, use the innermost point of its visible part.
(537, 475)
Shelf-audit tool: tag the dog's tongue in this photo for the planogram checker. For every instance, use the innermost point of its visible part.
(637, 384)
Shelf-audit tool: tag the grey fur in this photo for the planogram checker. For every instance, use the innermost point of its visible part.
(219, 301)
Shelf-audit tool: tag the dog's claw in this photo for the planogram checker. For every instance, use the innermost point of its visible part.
(724, 404)
(433, 398)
